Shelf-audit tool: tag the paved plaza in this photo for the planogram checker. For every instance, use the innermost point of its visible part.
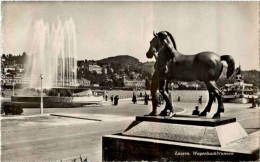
(48, 137)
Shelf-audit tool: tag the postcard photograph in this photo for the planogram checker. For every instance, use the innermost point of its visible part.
(130, 81)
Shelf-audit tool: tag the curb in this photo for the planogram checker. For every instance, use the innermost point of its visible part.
(23, 117)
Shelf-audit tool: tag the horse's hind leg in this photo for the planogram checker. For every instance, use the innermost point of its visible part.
(208, 107)
(213, 87)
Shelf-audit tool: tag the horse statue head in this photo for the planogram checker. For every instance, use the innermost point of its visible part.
(159, 41)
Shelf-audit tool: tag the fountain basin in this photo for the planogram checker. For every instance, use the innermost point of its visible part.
(56, 102)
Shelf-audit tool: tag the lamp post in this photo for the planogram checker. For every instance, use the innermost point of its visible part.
(41, 76)
(13, 87)
(172, 92)
(196, 85)
(13, 81)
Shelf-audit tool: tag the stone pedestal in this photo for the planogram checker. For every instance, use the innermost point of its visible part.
(180, 138)
(189, 129)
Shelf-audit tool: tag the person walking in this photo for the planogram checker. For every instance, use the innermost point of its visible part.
(106, 96)
(253, 102)
(134, 98)
(258, 102)
(116, 100)
(200, 100)
(146, 98)
(112, 98)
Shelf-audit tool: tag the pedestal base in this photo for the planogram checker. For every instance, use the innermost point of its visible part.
(181, 138)
(189, 129)
(123, 148)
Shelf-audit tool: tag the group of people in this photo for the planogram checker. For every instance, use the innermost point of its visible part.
(113, 99)
(146, 98)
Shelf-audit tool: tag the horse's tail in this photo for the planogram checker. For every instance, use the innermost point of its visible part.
(231, 64)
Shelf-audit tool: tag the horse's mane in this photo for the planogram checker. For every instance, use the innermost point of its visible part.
(171, 37)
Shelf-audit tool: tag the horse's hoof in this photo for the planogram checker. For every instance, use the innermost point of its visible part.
(152, 114)
(163, 113)
(216, 116)
(171, 114)
(203, 114)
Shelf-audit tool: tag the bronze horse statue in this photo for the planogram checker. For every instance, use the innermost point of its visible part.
(173, 65)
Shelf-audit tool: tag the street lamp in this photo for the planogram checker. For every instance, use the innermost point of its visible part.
(41, 76)
(172, 92)
(13, 87)
(196, 85)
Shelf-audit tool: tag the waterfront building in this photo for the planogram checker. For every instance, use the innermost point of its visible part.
(135, 83)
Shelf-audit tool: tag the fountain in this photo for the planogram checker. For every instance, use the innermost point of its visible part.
(53, 53)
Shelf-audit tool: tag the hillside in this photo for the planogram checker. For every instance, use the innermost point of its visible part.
(148, 66)
(124, 65)
(123, 60)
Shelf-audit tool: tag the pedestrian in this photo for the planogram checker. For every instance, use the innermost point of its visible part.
(196, 111)
(258, 102)
(200, 100)
(179, 99)
(116, 100)
(112, 98)
(3, 94)
(253, 102)
(141, 95)
(5, 86)
(146, 98)
(106, 96)
(134, 98)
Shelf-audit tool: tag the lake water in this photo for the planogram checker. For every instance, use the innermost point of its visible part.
(185, 95)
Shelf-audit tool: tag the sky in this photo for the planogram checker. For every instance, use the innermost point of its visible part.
(105, 29)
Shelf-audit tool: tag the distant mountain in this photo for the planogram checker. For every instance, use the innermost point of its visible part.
(121, 59)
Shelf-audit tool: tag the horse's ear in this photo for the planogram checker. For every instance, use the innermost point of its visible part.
(155, 34)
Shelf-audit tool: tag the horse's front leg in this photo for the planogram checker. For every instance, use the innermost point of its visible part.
(154, 87)
(208, 107)
(166, 97)
(212, 87)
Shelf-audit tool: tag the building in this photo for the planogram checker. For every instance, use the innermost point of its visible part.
(95, 67)
(10, 80)
(83, 82)
(134, 83)
(8, 70)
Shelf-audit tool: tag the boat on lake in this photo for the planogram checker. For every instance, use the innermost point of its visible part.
(239, 92)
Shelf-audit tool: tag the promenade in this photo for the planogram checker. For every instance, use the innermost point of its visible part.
(38, 138)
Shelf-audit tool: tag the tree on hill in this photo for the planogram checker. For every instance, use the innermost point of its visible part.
(121, 60)
(12, 59)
